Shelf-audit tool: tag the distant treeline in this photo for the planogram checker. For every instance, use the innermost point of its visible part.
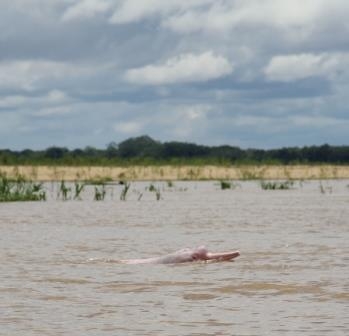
(144, 150)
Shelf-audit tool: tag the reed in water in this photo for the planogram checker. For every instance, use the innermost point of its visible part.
(20, 189)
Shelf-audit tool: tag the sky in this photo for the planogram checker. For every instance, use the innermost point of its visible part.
(248, 73)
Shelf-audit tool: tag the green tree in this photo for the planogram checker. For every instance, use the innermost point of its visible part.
(55, 153)
(142, 146)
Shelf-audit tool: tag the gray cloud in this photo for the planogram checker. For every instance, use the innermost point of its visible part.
(258, 73)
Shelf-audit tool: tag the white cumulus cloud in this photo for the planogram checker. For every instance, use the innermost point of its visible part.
(182, 69)
(86, 9)
(29, 74)
(288, 68)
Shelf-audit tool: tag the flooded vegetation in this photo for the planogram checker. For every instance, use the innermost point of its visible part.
(277, 185)
(59, 276)
(19, 189)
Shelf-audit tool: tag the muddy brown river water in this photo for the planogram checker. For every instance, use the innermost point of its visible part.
(58, 275)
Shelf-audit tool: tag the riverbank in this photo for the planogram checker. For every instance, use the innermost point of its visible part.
(157, 173)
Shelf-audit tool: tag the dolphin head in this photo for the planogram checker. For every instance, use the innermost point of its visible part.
(199, 253)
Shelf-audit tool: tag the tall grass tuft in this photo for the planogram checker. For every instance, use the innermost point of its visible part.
(38, 190)
(78, 190)
(124, 190)
(100, 193)
(64, 191)
(155, 190)
(20, 189)
(270, 185)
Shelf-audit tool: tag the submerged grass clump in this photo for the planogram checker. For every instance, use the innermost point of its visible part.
(19, 189)
(272, 185)
(152, 188)
(155, 190)
(64, 191)
(228, 185)
(100, 193)
(225, 185)
(158, 194)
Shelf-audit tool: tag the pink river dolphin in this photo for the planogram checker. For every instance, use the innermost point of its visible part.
(186, 255)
